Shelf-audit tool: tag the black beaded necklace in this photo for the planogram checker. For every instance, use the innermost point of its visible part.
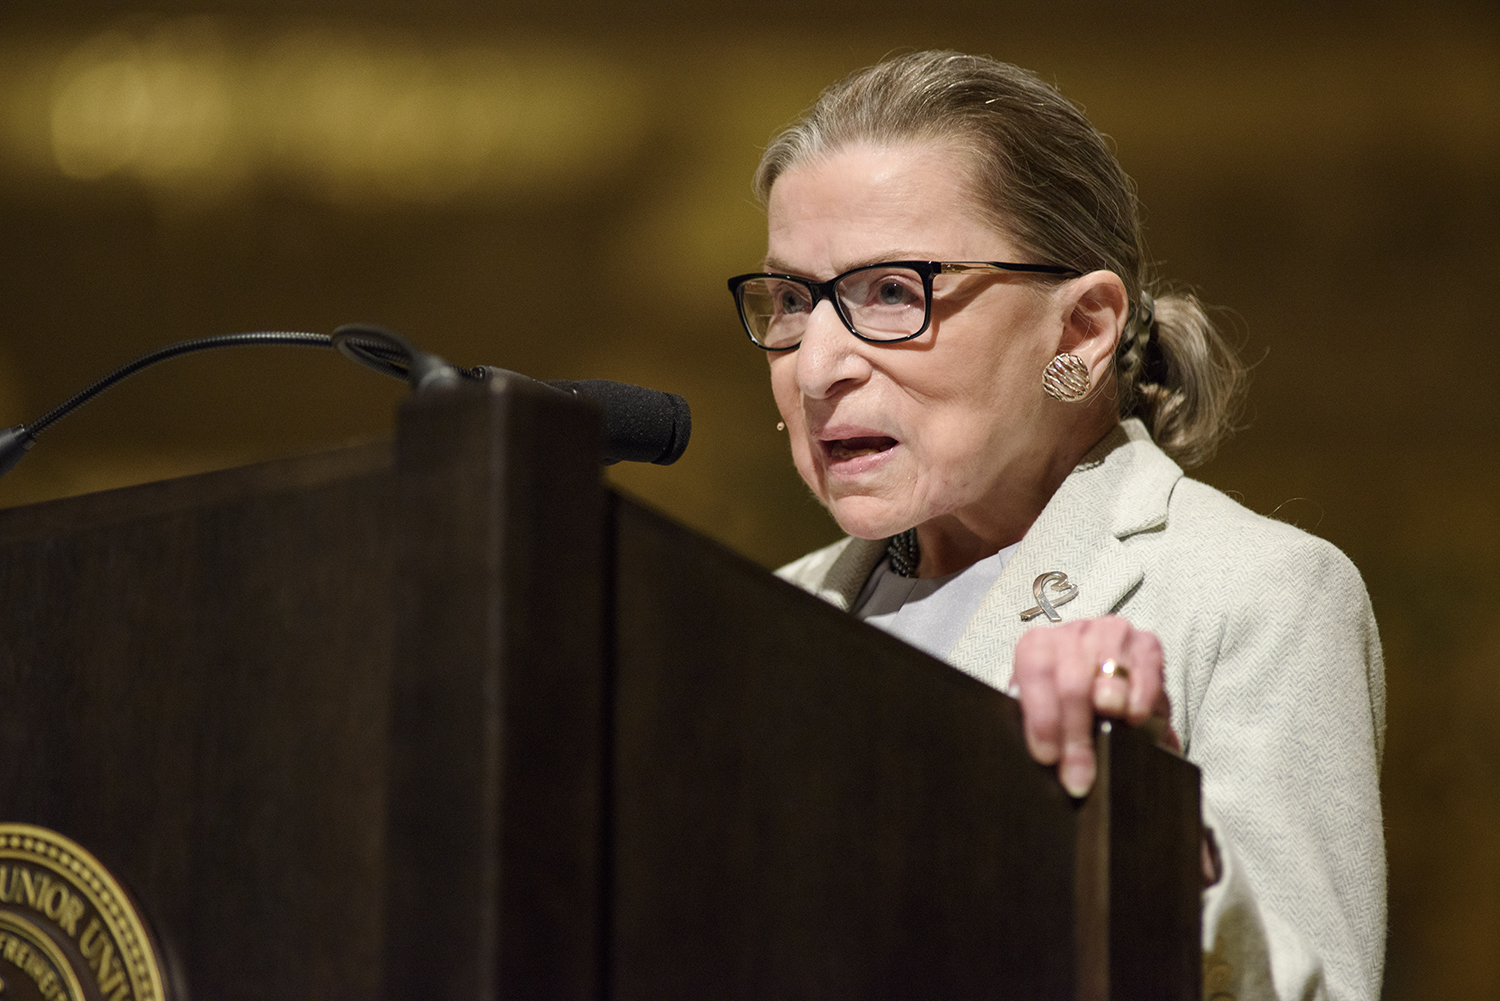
(903, 552)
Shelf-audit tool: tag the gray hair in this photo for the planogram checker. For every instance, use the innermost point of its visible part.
(1045, 177)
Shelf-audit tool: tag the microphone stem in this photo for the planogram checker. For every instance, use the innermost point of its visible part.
(162, 354)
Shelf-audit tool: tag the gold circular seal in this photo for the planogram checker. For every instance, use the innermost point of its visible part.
(68, 930)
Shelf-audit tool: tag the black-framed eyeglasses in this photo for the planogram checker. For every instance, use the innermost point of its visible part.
(880, 303)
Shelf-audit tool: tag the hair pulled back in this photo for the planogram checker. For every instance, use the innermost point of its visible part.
(1045, 177)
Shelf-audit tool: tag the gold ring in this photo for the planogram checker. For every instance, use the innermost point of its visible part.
(1112, 668)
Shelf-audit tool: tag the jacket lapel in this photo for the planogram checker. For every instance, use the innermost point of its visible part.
(1120, 488)
(851, 568)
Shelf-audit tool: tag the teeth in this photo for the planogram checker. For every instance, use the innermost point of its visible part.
(845, 450)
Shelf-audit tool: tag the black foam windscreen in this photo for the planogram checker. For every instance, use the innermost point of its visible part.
(640, 424)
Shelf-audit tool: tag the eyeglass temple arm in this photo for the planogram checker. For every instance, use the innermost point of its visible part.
(991, 267)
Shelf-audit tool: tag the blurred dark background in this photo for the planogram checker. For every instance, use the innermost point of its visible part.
(561, 191)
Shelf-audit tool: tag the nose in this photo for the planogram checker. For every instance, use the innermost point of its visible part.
(829, 359)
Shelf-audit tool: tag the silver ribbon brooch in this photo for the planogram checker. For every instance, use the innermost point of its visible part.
(1061, 593)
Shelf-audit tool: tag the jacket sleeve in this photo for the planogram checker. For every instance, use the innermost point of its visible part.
(1288, 729)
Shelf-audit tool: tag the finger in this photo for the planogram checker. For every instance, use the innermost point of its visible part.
(1107, 642)
(1151, 707)
(1075, 694)
(1035, 674)
(1112, 681)
(1148, 694)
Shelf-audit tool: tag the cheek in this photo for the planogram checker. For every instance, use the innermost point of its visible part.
(783, 386)
(806, 467)
(787, 392)
(945, 468)
(962, 445)
(789, 404)
(783, 378)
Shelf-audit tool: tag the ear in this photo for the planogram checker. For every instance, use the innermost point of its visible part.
(1094, 314)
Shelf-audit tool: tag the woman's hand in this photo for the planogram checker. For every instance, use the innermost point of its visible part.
(1066, 674)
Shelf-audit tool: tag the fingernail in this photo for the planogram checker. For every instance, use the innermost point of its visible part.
(1042, 752)
(1108, 698)
(1077, 779)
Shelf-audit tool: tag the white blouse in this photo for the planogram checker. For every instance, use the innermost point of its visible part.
(930, 613)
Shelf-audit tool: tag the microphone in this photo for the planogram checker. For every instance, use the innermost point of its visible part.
(640, 424)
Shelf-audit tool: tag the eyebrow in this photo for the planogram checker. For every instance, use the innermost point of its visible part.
(770, 263)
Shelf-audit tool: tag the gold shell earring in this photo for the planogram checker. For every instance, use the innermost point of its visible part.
(1066, 378)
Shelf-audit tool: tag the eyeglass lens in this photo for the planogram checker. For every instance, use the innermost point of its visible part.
(882, 303)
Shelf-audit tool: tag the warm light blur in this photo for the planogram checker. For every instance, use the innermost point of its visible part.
(355, 119)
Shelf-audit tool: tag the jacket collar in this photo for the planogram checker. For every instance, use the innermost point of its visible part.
(1120, 489)
(846, 577)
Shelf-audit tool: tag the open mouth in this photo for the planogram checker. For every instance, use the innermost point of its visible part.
(843, 449)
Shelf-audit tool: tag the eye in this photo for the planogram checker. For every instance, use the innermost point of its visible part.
(891, 292)
(789, 298)
(884, 289)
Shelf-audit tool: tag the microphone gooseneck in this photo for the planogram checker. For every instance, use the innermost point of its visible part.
(16, 441)
(388, 353)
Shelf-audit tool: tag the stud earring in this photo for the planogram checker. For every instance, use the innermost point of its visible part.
(781, 425)
(1066, 378)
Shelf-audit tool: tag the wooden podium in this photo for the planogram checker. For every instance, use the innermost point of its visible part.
(450, 720)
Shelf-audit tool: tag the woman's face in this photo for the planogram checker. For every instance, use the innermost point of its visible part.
(952, 424)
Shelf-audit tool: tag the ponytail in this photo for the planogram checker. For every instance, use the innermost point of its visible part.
(1178, 374)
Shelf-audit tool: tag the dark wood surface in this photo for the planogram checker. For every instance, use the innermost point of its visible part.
(1139, 875)
(196, 682)
(497, 735)
(448, 721)
(815, 809)
(808, 807)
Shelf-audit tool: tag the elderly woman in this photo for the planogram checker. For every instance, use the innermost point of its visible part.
(981, 387)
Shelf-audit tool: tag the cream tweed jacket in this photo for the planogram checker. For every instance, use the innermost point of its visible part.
(1274, 669)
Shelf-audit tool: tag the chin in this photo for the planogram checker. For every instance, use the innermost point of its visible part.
(869, 518)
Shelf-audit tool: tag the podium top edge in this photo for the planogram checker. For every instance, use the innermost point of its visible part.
(208, 489)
